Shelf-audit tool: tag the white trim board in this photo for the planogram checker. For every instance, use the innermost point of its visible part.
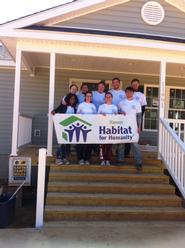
(46, 38)
(108, 47)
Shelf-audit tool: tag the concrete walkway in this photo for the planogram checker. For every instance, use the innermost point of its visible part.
(98, 235)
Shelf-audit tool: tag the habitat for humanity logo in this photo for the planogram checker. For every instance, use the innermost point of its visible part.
(75, 127)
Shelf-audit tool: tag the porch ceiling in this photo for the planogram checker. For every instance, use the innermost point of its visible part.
(102, 64)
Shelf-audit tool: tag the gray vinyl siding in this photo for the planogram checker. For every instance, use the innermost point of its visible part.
(6, 109)
(150, 138)
(4, 166)
(126, 17)
(34, 100)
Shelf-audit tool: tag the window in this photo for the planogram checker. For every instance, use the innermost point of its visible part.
(151, 113)
(92, 84)
(176, 103)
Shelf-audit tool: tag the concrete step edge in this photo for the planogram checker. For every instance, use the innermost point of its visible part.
(58, 195)
(150, 209)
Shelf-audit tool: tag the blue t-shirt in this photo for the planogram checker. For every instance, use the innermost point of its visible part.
(118, 96)
(81, 97)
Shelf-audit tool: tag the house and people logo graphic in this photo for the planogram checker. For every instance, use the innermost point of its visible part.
(75, 127)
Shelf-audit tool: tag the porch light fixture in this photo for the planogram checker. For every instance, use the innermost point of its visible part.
(152, 13)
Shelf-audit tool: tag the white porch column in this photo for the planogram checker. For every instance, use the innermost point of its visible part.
(16, 103)
(162, 87)
(51, 103)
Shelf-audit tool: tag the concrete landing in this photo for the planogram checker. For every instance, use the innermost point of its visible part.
(98, 235)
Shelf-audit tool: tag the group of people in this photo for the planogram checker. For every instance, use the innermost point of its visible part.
(113, 101)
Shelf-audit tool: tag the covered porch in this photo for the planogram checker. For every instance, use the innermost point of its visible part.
(52, 66)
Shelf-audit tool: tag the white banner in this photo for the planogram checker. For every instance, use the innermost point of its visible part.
(95, 129)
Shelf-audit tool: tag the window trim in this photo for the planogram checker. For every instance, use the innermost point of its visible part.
(168, 99)
(145, 87)
(79, 81)
(167, 102)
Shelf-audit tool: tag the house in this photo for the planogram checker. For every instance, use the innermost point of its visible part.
(87, 41)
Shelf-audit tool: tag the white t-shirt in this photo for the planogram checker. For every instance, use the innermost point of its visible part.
(86, 108)
(98, 98)
(129, 107)
(139, 96)
(107, 109)
(118, 96)
(70, 110)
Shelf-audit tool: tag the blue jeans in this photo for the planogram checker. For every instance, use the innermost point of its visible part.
(136, 152)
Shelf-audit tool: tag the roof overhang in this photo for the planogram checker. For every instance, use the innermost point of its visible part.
(61, 13)
(70, 10)
(39, 27)
(85, 36)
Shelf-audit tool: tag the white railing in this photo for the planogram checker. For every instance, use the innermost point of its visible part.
(25, 130)
(178, 126)
(172, 152)
(40, 188)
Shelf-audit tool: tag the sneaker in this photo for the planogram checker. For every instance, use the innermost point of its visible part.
(81, 162)
(103, 162)
(107, 162)
(86, 162)
(139, 167)
(66, 162)
(59, 161)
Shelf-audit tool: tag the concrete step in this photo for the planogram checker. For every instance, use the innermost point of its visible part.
(91, 213)
(102, 187)
(100, 199)
(97, 168)
(108, 177)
